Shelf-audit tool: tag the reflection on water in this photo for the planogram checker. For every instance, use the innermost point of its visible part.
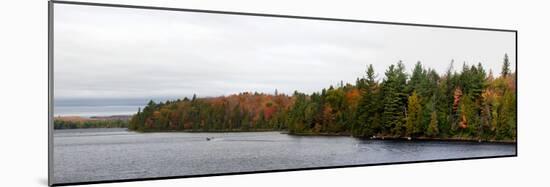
(108, 154)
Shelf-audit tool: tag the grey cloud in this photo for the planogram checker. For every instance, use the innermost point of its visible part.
(129, 53)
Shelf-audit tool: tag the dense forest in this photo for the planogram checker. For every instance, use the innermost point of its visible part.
(468, 104)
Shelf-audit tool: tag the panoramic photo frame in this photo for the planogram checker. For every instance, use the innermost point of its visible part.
(144, 93)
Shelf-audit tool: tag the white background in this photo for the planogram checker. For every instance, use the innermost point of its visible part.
(23, 104)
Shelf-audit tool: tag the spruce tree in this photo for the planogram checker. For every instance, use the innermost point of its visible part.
(368, 107)
(394, 99)
(505, 66)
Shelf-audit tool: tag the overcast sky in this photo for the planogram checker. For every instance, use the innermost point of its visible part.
(103, 52)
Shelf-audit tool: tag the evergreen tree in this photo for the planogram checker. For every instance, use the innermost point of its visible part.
(393, 102)
(418, 76)
(368, 109)
(505, 66)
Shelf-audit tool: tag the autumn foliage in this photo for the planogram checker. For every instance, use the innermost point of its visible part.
(466, 104)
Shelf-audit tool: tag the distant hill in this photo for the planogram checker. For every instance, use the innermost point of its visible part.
(113, 117)
(73, 122)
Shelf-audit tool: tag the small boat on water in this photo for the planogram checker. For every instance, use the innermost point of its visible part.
(209, 138)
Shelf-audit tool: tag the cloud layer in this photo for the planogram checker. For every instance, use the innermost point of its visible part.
(103, 52)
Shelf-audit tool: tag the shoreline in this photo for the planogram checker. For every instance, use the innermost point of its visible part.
(393, 138)
(453, 139)
(203, 131)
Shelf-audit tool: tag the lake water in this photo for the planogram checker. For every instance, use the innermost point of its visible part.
(88, 107)
(109, 154)
(97, 107)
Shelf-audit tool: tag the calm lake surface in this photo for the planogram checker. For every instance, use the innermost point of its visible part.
(108, 154)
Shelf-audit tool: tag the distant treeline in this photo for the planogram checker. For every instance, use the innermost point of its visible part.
(65, 123)
(466, 104)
